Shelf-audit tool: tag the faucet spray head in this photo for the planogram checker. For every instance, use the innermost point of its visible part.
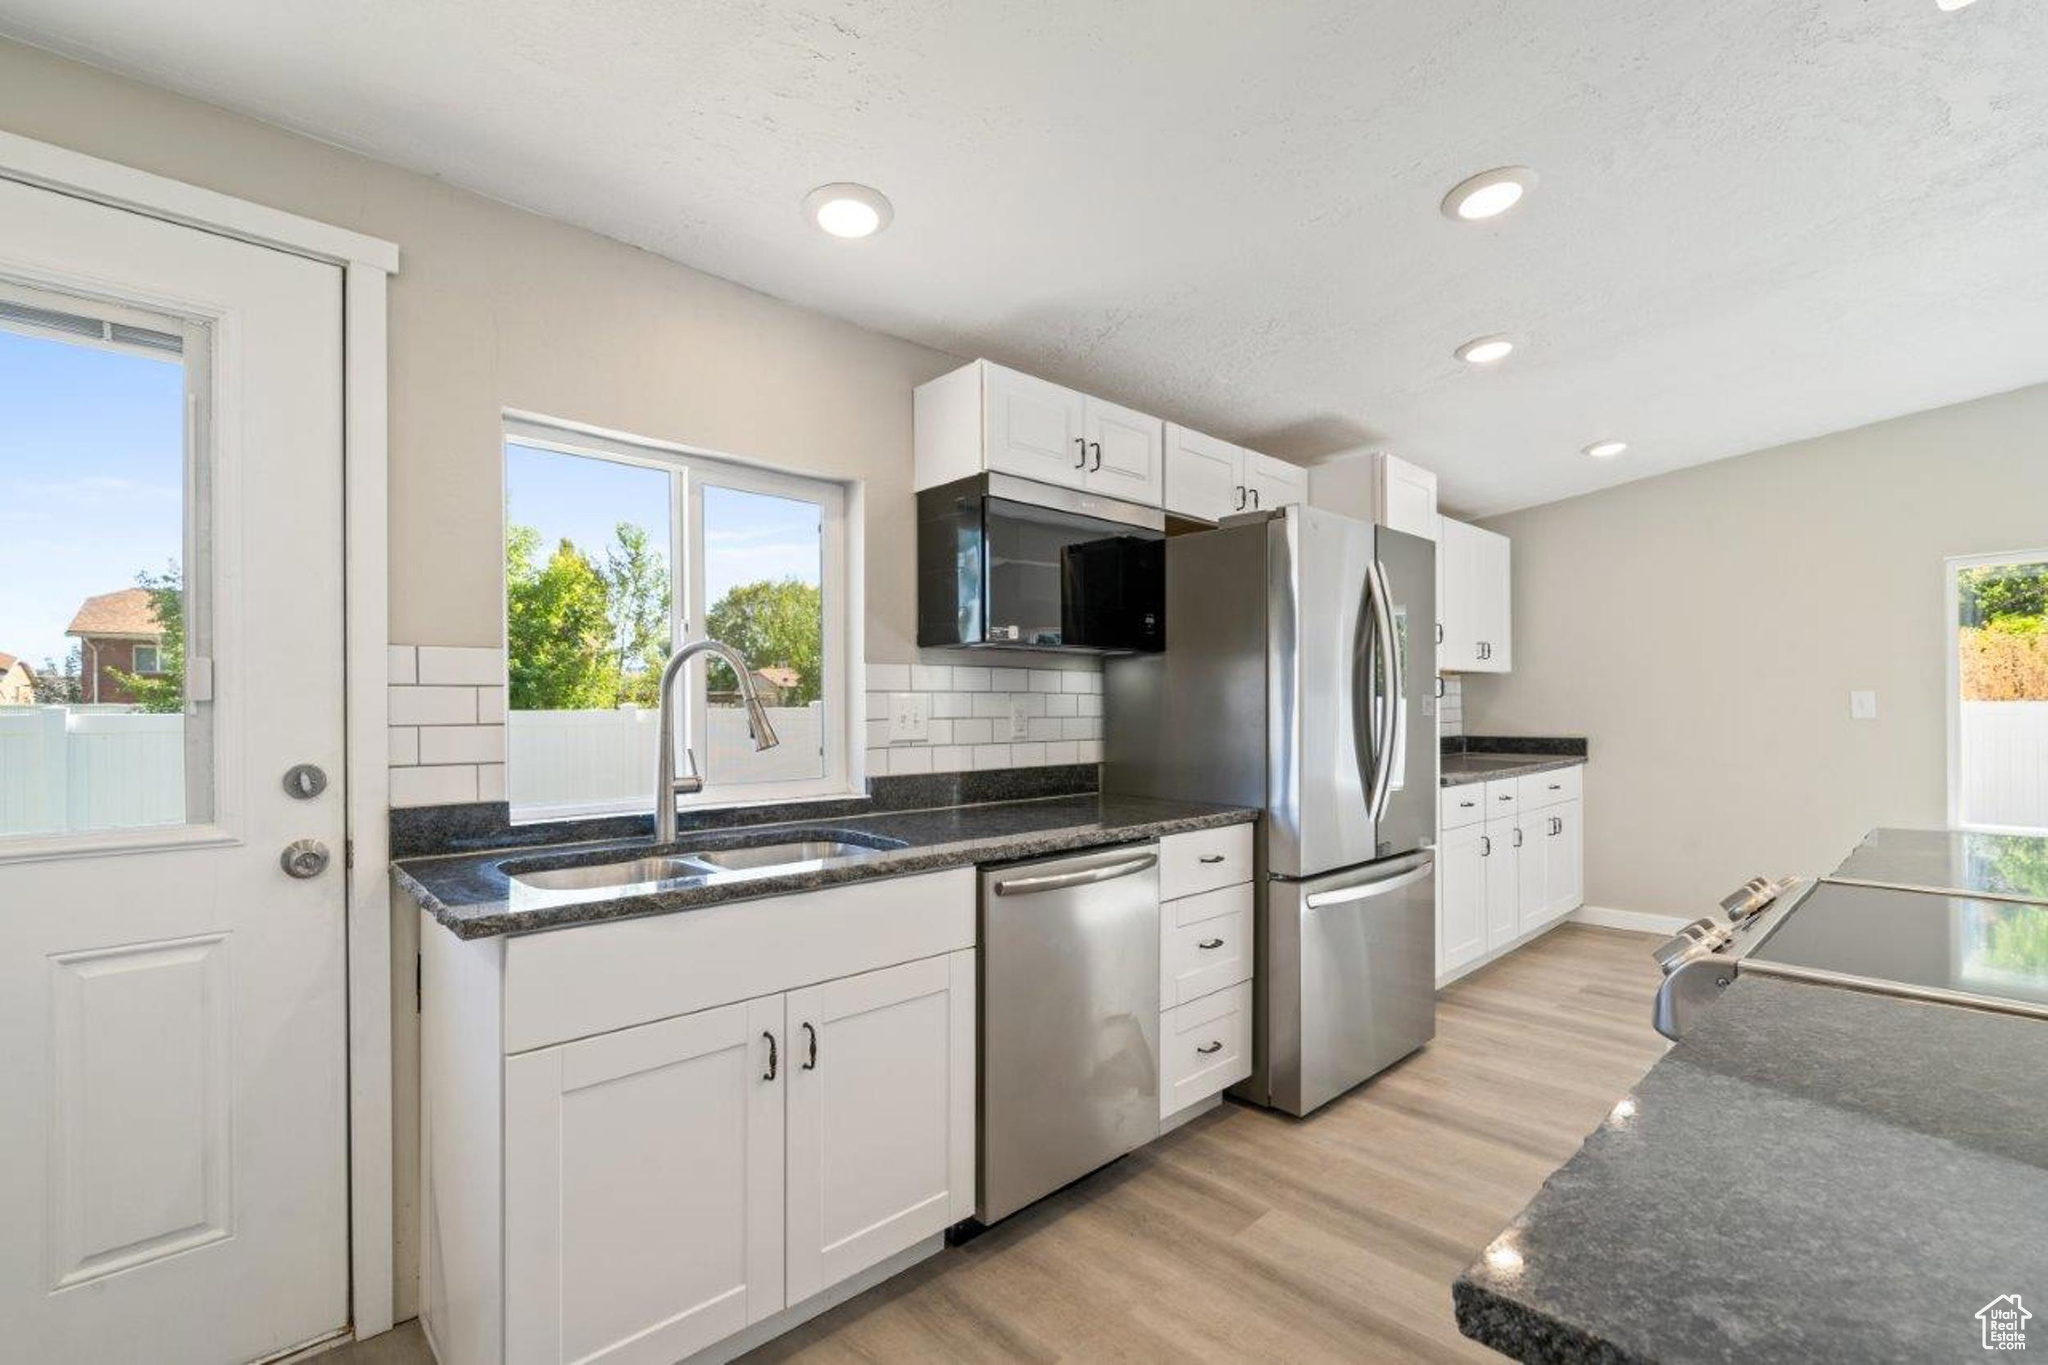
(757, 724)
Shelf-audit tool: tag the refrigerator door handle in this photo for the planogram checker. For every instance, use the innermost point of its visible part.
(1367, 890)
(1386, 716)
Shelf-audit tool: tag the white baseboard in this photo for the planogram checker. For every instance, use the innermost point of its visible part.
(1638, 920)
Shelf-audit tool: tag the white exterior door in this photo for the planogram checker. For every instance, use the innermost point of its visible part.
(643, 1188)
(881, 1116)
(173, 1152)
(1125, 449)
(1034, 428)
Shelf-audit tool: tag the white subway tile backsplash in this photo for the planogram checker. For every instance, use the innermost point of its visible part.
(1091, 704)
(878, 706)
(490, 706)
(405, 746)
(973, 731)
(1076, 681)
(433, 786)
(459, 666)
(433, 706)
(1063, 704)
(888, 677)
(1089, 751)
(939, 732)
(401, 664)
(878, 763)
(1027, 755)
(951, 758)
(462, 744)
(910, 758)
(878, 734)
(1010, 679)
(993, 756)
(1080, 728)
(490, 782)
(927, 678)
(1045, 680)
(1042, 728)
(1063, 751)
(991, 705)
(947, 704)
(1031, 703)
(967, 678)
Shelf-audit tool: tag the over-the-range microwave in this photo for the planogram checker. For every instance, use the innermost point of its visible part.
(1009, 563)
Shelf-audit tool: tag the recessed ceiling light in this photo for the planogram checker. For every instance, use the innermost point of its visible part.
(1606, 450)
(1485, 350)
(848, 210)
(1489, 193)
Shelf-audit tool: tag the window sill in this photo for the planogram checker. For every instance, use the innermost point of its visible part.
(716, 801)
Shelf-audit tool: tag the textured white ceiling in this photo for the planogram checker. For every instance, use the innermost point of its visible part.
(1758, 219)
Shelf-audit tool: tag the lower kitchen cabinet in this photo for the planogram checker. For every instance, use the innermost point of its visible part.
(661, 1166)
(1510, 863)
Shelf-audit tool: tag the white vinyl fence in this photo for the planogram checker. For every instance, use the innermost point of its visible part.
(589, 758)
(66, 769)
(2004, 763)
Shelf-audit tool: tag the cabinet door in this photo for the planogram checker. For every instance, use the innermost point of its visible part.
(643, 1187)
(881, 1116)
(1460, 898)
(1533, 847)
(1034, 428)
(1457, 556)
(1126, 452)
(1274, 483)
(1503, 882)
(1564, 882)
(1204, 476)
(1406, 497)
(1491, 593)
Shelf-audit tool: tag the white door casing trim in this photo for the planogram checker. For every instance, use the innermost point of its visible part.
(366, 264)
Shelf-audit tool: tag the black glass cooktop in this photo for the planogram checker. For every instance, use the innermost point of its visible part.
(1921, 939)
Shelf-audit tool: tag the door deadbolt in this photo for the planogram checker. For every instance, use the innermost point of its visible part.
(305, 781)
(303, 858)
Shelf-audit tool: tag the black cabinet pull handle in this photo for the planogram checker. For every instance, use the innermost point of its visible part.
(1467, 805)
(1082, 442)
(1255, 499)
(1210, 943)
(1213, 1047)
(812, 1034)
(1518, 836)
(1095, 446)
(1485, 846)
(771, 1055)
(1212, 858)
(1240, 498)
(1507, 796)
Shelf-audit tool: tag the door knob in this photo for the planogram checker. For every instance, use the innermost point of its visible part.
(303, 858)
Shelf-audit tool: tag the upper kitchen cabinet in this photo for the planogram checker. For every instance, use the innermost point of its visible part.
(1474, 600)
(984, 417)
(1208, 479)
(1377, 487)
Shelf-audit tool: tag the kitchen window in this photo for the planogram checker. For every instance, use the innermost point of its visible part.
(615, 550)
(1997, 627)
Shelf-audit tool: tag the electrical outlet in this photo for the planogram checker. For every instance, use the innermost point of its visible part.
(1020, 724)
(1863, 706)
(910, 716)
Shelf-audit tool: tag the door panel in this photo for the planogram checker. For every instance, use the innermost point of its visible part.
(1533, 871)
(173, 1020)
(1409, 819)
(1125, 450)
(1273, 484)
(881, 1085)
(1565, 874)
(643, 1188)
(1320, 562)
(1034, 429)
(1204, 476)
(1503, 882)
(1461, 869)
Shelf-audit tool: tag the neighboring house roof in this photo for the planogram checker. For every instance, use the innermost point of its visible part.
(8, 661)
(128, 614)
(776, 675)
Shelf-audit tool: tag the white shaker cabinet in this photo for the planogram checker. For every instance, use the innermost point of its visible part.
(986, 417)
(1208, 479)
(881, 1085)
(1474, 601)
(1460, 897)
(1501, 850)
(1377, 487)
(1510, 863)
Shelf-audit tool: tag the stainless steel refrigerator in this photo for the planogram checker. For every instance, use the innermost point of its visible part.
(1299, 677)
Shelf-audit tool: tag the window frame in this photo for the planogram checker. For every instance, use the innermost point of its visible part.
(1952, 602)
(690, 468)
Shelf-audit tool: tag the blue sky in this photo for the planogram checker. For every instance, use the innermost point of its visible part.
(747, 536)
(91, 481)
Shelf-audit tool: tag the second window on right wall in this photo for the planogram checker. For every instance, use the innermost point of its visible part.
(1998, 705)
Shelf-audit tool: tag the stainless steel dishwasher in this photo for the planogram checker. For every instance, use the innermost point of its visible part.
(1069, 1075)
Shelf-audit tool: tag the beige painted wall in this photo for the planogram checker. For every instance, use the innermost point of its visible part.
(1704, 629)
(496, 308)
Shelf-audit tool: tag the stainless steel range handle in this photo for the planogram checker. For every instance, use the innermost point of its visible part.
(1387, 719)
(1368, 890)
(1059, 881)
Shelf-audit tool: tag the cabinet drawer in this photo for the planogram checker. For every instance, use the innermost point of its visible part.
(1205, 944)
(1205, 1047)
(1464, 804)
(1203, 860)
(1503, 797)
(1547, 789)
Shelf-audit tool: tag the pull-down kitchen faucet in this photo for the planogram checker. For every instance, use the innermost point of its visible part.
(667, 786)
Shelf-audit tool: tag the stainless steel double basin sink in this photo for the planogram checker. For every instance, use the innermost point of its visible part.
(727, 855)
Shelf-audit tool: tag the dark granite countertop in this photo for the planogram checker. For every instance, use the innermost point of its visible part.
(1813, 1174)
(2014, 865)
(1456, 770)
(473, 896)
